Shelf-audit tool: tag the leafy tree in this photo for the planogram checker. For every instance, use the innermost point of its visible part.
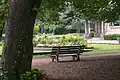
(67, 17)
(100, 10)
(70, 19)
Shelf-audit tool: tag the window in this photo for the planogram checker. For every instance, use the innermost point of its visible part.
(114, 23)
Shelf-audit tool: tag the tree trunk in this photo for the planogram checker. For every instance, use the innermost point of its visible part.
(18, 48)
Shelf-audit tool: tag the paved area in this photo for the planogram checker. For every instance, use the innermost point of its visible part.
(95, 67)
(101, 41)
(91, 57)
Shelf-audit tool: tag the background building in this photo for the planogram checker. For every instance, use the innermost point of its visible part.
(99, 29)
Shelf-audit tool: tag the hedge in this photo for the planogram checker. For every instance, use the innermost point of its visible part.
(112, 37)
(61, 40)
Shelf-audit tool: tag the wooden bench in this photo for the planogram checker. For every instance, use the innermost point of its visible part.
(61, 51)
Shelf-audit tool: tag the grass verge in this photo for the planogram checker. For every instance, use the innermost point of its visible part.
(103, 49)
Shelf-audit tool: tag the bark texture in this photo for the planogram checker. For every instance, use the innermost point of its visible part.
(18, 48)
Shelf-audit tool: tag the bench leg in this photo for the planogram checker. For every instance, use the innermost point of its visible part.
(78, 57)
(53, 58)
(57, 58)
(73, 57)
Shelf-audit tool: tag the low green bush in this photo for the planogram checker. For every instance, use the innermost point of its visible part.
(112, 37)
(3, 74)
(34, 74)
(36, 29)
(61, 40)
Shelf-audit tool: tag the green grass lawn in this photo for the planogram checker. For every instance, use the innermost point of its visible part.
(98, 49)
(103, 49)
(41, 56)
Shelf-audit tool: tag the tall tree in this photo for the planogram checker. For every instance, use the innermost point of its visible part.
(18, 48)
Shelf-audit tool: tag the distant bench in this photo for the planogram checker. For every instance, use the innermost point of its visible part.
(61, 51)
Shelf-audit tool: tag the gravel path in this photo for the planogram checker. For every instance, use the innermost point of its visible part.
(96, 67)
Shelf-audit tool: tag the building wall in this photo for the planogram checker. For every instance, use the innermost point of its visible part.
(112, 30)
(100, 29)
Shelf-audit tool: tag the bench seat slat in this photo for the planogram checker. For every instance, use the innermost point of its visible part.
(67, 55)
(60, 55)
(66, 52)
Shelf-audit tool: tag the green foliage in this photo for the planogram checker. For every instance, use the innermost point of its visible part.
(105, 10)
(112, 37)
(107, 49)
(67, 16)
(62, 40)
(34, 74)
(100, 10)
(60, 30)
(3, 74)
(57, 29)
(3, 11)
(36, 29)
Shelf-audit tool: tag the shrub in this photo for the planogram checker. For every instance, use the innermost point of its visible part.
(34, 74)
(35, 40)
(62, 40)
(112, 37)
(3, 74)
(36, 29)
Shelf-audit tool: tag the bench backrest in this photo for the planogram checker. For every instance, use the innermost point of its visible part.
(66, 49)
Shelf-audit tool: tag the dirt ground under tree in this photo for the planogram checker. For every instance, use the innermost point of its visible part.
(96, 67)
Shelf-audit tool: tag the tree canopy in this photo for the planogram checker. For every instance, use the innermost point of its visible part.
(100, 10)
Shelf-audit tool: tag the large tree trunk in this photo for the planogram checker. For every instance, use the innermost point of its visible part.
(18, 48)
